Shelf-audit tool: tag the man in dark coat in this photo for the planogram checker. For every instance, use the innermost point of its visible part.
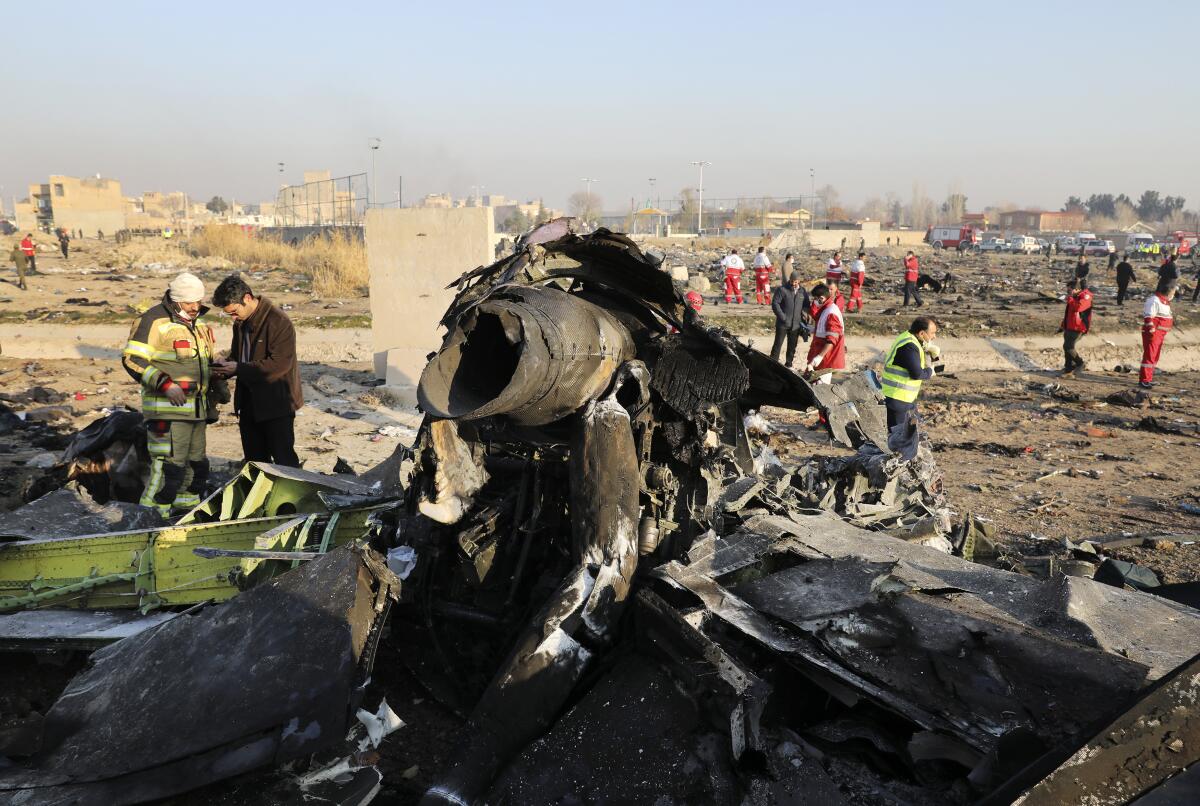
(790, 304)
(263, 359)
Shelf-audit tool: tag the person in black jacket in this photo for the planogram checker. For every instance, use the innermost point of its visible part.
(1168, 270)
(1125, 275)
(790, 303)
(263, 360)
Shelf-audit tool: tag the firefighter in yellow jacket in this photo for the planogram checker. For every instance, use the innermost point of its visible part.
(169, 352)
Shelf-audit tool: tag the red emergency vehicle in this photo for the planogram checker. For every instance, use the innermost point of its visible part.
(958, 237)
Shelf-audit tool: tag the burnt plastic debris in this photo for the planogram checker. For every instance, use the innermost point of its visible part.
(270, 676)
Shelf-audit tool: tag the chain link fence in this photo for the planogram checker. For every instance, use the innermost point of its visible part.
(720, 216)
(339, 202)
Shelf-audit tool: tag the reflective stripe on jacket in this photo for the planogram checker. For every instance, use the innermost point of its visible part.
(896, 382)
(163, 347)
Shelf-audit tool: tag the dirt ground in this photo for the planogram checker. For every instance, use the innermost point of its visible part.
(105, 283)
(996, 433)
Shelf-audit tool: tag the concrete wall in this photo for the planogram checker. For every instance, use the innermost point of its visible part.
(825, 240)
(904, 237)
(412, 254)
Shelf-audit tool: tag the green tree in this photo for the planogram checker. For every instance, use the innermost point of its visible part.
(1149, 206)
(517, 222)
(217, 205)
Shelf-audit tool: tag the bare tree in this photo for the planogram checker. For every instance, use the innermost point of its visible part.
(1124, 214)
(921, 209)
(585, 206)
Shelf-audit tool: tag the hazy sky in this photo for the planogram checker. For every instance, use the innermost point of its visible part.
(1028, 104)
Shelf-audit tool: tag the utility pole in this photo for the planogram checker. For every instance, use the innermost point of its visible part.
(700, 209)
(812, 179)
(373, 143)
(651, 199)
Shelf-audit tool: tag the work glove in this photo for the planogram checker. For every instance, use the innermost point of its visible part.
(933, 351)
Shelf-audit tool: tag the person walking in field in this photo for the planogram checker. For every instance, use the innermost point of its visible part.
(858, 275)
(912, 271)
(790, 304)
(734, 266)
(1076, 321)
(30, 250)
(1156, 323)
(1124, 277)
(833, 269)
(19, 261)
(762, 277)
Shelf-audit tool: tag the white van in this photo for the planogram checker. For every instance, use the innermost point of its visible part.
(1024, 244)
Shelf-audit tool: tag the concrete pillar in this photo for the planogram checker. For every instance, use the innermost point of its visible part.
(413, 254)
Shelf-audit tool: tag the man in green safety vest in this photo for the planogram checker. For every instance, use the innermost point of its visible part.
(909, 363)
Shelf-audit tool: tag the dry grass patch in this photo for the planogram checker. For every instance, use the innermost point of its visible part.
(337, 263)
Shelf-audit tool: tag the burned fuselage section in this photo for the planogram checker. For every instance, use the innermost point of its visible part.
(583, 463)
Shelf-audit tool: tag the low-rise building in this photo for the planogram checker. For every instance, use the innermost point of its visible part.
(89, 205)
(1042, 220)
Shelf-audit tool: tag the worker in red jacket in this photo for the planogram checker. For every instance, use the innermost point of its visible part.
(912, 270)
(762, 277)
(858, 274)
(833, 269)
(734, 267)
(30, 250)
(1156, 322)
(827, 352)
(1076, 322)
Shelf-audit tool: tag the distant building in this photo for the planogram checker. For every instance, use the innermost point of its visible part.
(1042, 220)
(977, 220)
(89, 205)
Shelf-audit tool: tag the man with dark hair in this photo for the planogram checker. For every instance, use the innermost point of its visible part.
(908, 363)
(1076, 321)
(790, 306)
(1082, 267)
(263, 359)
(1168, 271)
(1124, 277)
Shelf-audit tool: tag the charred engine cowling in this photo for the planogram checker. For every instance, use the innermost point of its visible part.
(578, 414)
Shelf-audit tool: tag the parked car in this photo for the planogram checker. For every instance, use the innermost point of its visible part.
(1024, 244)
(1043, 243)
(1067, 245)
(1098, 248)
(993, 245)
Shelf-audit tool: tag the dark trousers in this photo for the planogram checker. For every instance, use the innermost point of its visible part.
(272, 440)
(32, 264)
(792, 336)
(65, 249)
(910, 289)
(904, 433)
(1071, 358)
(1122, 291)
(1196, 290)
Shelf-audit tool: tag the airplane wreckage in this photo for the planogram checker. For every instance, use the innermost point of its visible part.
(587, 556)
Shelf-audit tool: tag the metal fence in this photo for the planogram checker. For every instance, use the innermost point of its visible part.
(340, 202)
(719, 215)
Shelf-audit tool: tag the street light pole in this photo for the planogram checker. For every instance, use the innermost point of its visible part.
(588, 183)
(812, 179)
(373, 143)
(700, 209)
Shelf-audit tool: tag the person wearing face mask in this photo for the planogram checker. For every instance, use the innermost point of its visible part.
(169, 354)
(827, 353)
